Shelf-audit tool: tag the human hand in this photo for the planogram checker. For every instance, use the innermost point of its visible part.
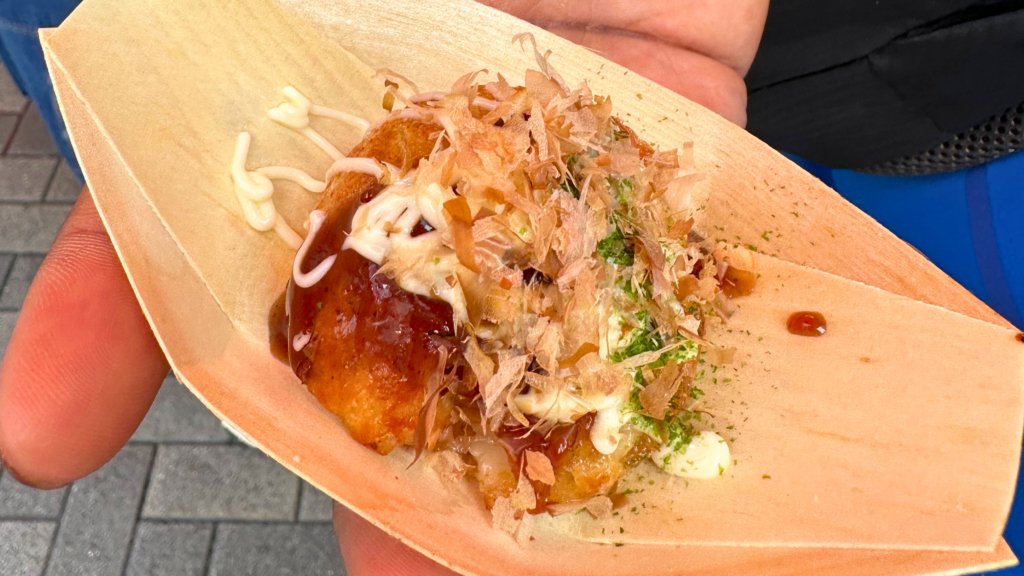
(82, 366)
(701, 49)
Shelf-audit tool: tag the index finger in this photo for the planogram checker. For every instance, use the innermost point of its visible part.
(82, 366)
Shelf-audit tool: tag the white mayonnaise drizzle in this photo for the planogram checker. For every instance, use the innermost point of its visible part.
(607, 429)
(610, 333)
(300, 340)
(290, 237)
(307, 279)
(363, 165)
(294, 114)
(255, 193)
(254, 188)
(351, 119)
(553, 404)
(293, 175)
(567, 407)
(375, 221)
(705, 456)
(382, 233)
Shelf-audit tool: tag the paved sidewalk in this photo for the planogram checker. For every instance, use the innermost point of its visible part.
(184, 497)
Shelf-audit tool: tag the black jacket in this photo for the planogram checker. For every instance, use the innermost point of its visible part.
(862, 83)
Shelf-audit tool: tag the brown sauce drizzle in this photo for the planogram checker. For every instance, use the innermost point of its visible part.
(807, 323)
(278, 324)
(736, 282)
(555, 444)
(421, 227)
(368, 195)
(387, 318)
(1020, 337)
(390, 324)
(375, 346)
(533, 276)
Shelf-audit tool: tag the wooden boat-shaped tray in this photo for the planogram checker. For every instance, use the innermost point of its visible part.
(889, 446)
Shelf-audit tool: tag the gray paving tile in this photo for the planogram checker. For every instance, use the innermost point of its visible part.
(30, 227)
(20, 501)
(11, 98)
(13, 293)
(5, 264)
(178, 416)
(315, 506)
(212, 482)
(96, 528)
(282, 550)
(25, 178)
(7, 124)
(7, 320)
(178, 549)
(32, 137)
(23, 547)
(65, 186)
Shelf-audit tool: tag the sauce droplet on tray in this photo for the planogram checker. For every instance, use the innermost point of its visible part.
(806, 324)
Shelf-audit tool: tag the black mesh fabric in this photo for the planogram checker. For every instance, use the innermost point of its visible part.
(998, 136)
(890, 86)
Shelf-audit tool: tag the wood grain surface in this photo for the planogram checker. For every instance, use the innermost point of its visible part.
(156, 147)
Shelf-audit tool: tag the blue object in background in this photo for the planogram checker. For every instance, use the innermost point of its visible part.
(20, 21)
(971, 225)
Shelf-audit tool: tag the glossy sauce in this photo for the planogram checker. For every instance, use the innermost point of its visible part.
(1020, 337)
(422, 227)
(736, 282)
(278, 324)
(365, 197)
(394, 314)
(386, 320)
(380, 320)
(807, 323)
(366, 348)
(555, 444)
(534, 276)
(373, 349)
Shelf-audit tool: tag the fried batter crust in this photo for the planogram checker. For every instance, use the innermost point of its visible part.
(372, 345)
